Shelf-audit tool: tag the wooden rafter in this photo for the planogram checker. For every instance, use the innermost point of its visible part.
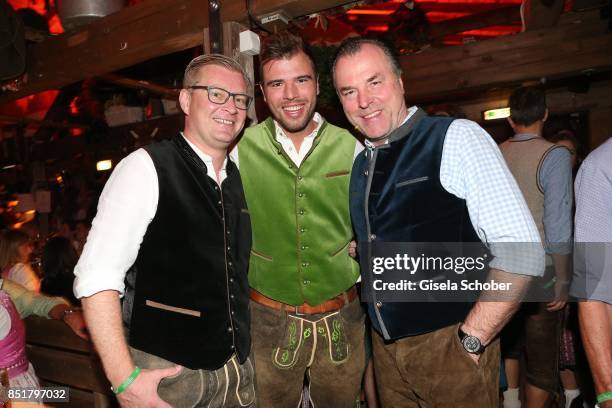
(169, 93)
(581, 42)
(501, 16)
(136, 34)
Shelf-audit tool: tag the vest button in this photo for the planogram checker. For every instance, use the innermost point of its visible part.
(306, 282)
(232, 296)
(304, 247)
(231, 280)
(229, 329)
(229, 263)
(304, 264)
(300, 177)
(300, 194)
(372, 237)
(379, 304)
(302, 212)
(302, 230)
(232, 347)
(365, 173)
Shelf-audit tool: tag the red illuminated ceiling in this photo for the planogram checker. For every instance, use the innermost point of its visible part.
(53, 21)
(382, 17)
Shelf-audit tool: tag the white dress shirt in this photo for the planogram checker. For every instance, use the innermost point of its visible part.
(126, 207)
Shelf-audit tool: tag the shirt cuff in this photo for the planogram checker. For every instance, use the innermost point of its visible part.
(95, 282)
(520, 258)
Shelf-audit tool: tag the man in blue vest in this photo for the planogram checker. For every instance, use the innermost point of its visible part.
(426, 179)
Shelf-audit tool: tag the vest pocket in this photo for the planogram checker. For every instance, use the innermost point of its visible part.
(338, 173)
(412, 181)
(260, 255)
(173, 309)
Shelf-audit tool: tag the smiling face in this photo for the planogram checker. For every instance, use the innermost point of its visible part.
(290, 89)
(372, 95)
(210, 126)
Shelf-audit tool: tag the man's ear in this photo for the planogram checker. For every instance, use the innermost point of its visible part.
(318, 90)
(510, 122)
(401, 83)
(185, 100)
(545, 116)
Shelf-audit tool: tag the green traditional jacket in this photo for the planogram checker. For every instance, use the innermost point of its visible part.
(300, 215)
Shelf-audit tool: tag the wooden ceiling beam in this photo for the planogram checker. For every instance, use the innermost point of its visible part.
(169, 93)
(501, 16)
(582, 43)
(136, 34)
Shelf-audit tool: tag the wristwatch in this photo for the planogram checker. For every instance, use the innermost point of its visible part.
(470, 343)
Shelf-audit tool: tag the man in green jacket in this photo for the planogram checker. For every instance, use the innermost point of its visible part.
(295, 169)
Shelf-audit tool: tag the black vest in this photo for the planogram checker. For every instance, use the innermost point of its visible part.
(191, 294)
(407, 203)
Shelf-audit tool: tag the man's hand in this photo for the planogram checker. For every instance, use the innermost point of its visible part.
(76, 322)
(352, 249)
(143, 391)
(561, 289)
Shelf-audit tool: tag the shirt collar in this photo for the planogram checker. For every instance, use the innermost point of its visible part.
(318, 119)
(521, 137)
(411, 112)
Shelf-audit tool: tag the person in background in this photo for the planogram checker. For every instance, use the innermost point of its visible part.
(17, 303)
(566, 138)
(569, 331)
(592, 279)
(543, 172)
(58, 261)
(15, 251)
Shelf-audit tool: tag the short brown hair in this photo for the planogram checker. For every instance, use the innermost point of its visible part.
(527, 105)
(283, 45)
(196, 64)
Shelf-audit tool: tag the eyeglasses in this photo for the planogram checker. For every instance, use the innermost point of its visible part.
(220, 96)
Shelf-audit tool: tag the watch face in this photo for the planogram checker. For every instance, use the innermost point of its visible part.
(471, 344)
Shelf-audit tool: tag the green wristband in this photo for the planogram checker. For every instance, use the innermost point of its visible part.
(604, 396)
(123, 386)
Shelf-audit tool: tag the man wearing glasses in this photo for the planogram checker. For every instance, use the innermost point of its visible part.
(295, 167)
(174, 215)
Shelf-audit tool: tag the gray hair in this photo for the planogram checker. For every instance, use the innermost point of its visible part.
(352, 46)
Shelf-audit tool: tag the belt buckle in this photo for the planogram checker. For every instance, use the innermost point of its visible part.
(296, 311)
